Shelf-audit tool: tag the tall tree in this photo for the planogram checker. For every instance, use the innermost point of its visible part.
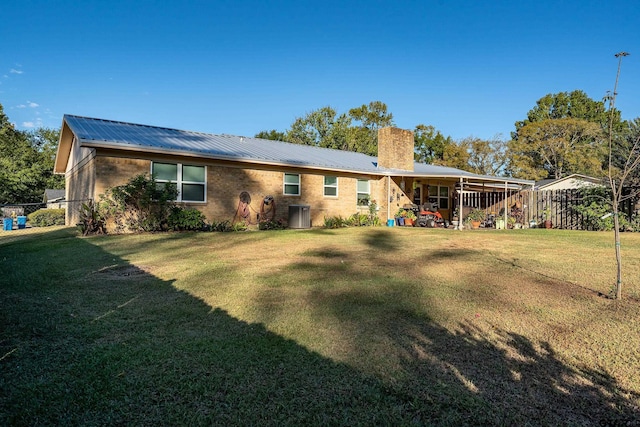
(487, 157)
(369, 119)
(563, 105)
(622, 146)
(26, 163)
(429, 144)
(554, 148)
(455, 155)
(324, 127)
(315, 128)
(272, 134)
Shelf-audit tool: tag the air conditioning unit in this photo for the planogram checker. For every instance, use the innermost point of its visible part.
(299, 216)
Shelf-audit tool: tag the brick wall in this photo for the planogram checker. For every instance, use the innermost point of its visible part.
(395, 148)
(226, 180)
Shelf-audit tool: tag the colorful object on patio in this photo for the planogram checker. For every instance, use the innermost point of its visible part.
(7, 224)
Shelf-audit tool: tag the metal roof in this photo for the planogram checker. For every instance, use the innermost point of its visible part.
(53, 195)
(91, 132)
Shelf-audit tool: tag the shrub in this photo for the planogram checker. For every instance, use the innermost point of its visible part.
(141, 204)
(358, 220)
(46, 217)
(186, 219)
(271, 225)
(335, 222)
(595, 209)
(92, 218)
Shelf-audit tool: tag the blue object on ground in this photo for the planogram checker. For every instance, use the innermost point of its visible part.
(7, 224)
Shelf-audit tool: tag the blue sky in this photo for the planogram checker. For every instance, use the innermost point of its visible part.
(469, 68)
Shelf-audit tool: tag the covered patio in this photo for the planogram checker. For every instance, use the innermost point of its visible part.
(453, 191)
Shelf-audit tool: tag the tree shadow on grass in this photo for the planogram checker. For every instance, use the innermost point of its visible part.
(109, 343)
(106, 342)
(472, 374)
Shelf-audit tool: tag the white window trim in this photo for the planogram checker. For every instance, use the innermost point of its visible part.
(438, 196)
(368, 192)
(179, 182)
(325, 186)
(285, 183)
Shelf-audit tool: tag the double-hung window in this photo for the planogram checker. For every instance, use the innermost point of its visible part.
(363, 192)
(439, 194)
(331, 186)
(191, 180)
(291, 184)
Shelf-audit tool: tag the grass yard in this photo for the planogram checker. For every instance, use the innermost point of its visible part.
(360, 326)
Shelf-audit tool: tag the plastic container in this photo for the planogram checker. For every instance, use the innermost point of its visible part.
(22, 222)
(7, 224)
(391, 222)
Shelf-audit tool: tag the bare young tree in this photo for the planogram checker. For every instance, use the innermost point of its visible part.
(618, 175)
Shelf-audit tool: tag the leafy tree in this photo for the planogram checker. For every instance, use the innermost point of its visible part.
(455, 155)
(429, 144)
(26, 163)
(622, 150)
(563, 105)
(324, 127)
(557, 147)
(316, 128)
(486, 157)
(371, 117)
(272, 134)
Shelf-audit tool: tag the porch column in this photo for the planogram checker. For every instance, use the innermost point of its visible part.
(388, 198)
(505, 205)
(460, 226)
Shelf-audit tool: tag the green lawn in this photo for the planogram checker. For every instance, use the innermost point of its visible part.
(359, 326)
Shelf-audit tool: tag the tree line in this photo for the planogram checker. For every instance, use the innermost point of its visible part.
(563, 134)
(26, 162)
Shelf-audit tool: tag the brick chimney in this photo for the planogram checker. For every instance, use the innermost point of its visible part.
(395, 149)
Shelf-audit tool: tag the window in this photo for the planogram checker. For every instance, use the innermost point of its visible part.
(363, 192)
(331, 186)
(291, 184)
(439, 194)
(190, 180)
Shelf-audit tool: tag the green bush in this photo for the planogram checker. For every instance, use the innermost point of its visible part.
(46, 217)
(186, 219)
(92, 218)
(595, 209)
(271, 225)
(335, 222)
(141, 204)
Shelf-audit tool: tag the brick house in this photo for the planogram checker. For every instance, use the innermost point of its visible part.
(212, 171)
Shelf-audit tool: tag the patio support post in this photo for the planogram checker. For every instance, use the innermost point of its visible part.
(460, 207)
(505, 205)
